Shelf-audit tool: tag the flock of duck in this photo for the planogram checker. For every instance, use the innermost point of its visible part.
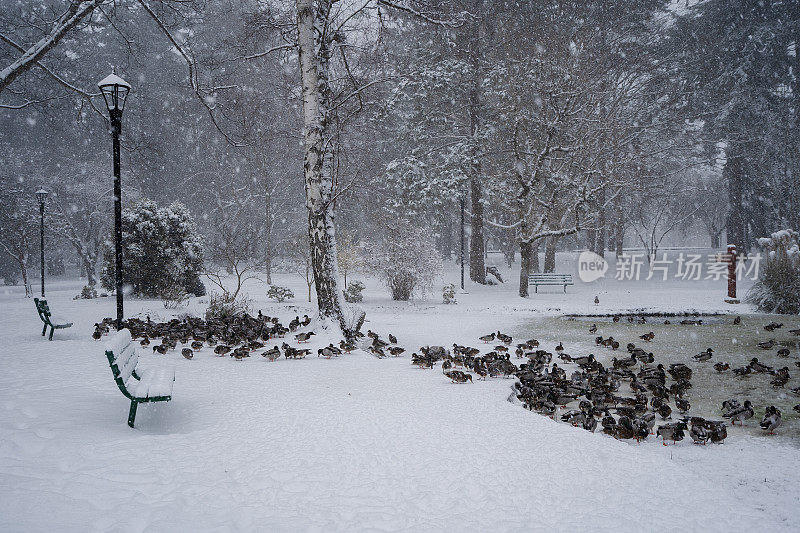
(235, 336)
(543, 386)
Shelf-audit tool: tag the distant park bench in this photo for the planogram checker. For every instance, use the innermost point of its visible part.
(150, 385)
(537, 279)
(53, 322)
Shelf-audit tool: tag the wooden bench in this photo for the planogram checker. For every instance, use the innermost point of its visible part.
(150, 385)
(537, 279)
(44, 314)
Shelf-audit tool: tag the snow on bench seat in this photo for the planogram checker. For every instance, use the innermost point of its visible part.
(154, 382)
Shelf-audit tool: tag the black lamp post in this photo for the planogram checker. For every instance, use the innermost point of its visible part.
(115, 91)
(41, 195)
(462, 243)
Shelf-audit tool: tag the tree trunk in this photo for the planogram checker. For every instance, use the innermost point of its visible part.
(22, 261)
(477, 266)
(525, 252)
(550, 254)
(600, 243)
(736, 223)
(314, 52)
(591, 240)
(619, 228)
(268, 235)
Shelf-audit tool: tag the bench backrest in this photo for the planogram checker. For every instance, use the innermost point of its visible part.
(122, 358)
(43, 309)
(548, 276)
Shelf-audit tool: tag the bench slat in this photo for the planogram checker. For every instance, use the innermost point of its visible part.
(127, 361)
(155, 382)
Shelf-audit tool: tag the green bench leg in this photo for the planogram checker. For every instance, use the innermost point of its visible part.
(132, 413)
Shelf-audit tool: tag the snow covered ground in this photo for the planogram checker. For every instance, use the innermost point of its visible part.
(355, 442)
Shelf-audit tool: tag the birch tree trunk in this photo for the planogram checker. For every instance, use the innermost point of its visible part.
(314, 53)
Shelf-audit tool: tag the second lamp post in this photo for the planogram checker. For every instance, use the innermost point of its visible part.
(115, 91)
(41, 195)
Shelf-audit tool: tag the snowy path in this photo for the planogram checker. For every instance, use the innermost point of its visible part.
(350, 443)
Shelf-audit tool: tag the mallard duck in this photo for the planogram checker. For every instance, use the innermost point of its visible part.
(741, 414)
(680, 371)
(673, 432)
(772, 419)
(479, 368)
(717, 431)
(772, 326)
(703, 356)
(797, 407)
(730, 405)
(721, 367)
(615, 319)
(795, 331)
(596, 300)
(97, 334)
(377, 352)
(145, 341)
(506, 339)
(682, 404)
(196, 345)
(783, 352)
(241, 352)
(272, 354)
(737, 321)
(326, 352)
(392, 339)
(160, 348)
(306, 321)
(742, 371)
(304, 337)
(560, 347)
(396, 351)
(781, 377)
(532, 343)
(665, 411)
(593, 329)
(698, 431)
(347, 347)
(767, 345)
(647, 337)
(457, 376)
(758, 366)
(222, 349)
(187, 353)
(487, 338)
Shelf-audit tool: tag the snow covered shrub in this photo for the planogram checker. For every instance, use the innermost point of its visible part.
(88, 292)
(174, 296)
(162, 250)
(778, 288)
(405, 257)
(279, 294)
(223, 306)
(353, 292)
(449, 294)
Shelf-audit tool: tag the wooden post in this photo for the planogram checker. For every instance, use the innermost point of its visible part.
(731, 258)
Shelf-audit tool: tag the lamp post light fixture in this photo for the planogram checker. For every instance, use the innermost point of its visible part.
(115, 92)
(41, 195)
